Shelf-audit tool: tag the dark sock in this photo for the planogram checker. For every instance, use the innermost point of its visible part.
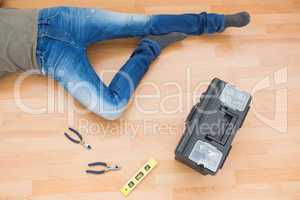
(237, 20)
(165, 40)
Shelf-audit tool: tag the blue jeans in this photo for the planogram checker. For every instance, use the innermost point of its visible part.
(64, 34)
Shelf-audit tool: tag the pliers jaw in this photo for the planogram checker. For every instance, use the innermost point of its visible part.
(114, 168)
(86, 146)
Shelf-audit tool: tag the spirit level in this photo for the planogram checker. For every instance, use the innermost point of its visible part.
(138, 177)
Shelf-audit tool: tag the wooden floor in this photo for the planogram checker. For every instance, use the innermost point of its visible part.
(38, 163)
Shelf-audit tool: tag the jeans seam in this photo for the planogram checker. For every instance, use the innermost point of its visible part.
(72, 43)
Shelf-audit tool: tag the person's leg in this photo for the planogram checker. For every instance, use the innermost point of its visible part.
(69, 66)
(129, 76)
(62, 53)
(67, 62)
(103, 25)
(88, 25)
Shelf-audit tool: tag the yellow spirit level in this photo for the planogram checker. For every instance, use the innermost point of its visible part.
(138, 177)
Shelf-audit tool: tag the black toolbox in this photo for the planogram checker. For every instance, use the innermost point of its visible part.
(211, 127)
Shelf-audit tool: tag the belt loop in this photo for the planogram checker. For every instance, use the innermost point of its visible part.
(44, 22)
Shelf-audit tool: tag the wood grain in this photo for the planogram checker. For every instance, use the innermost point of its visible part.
(38, 163)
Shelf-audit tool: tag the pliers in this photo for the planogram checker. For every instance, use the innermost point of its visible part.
(80, 139)
(107, 168)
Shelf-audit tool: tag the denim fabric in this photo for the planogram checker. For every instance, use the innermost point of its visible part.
(64, 33)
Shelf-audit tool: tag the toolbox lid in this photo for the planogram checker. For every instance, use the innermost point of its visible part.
(207, 155)
(234, 98)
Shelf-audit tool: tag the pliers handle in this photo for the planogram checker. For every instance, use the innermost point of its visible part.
(103, 164)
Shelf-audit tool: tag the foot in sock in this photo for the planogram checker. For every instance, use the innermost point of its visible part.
(237, 20)
(165, 40)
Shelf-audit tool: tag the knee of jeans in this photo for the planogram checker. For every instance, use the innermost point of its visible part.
(142, 23)
(112, 116)
(148, 24)
(110, 113)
